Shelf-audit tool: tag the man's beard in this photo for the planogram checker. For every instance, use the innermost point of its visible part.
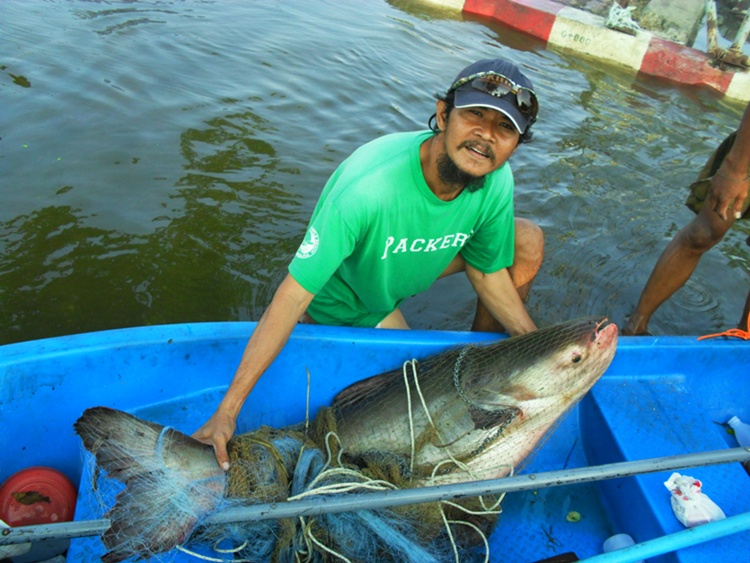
(451, 174)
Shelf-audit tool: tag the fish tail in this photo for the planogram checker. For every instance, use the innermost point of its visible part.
(171, 481)
(124, 445)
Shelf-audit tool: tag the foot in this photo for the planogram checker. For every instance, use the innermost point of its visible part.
(632, 328)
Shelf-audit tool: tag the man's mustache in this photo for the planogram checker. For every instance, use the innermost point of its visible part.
(481, 147)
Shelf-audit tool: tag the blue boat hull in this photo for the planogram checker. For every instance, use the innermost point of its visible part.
(661, 396)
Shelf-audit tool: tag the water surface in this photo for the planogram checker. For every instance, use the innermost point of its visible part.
(159, 160)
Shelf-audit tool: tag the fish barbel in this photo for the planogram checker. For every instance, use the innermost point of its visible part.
(481, 408)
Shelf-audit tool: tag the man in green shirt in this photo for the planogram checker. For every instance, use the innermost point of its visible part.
(401, 212)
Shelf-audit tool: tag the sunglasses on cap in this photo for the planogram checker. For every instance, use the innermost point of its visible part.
(498, 85)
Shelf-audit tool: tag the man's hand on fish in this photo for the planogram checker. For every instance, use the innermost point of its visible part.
(269, 337)
(216, 432)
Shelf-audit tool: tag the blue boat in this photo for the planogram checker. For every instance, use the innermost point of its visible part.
(661, 396)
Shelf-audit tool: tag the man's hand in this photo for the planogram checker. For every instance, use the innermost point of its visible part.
(499, 295)
(217, 431)
(267, 340)
(727, 194)
(729, 185)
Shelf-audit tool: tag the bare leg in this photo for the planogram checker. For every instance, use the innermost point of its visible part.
(529, 253)
(394, 320)
(676, 264)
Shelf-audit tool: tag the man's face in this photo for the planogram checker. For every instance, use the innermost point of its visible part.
(478, 140)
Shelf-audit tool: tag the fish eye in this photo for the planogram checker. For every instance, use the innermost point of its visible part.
(577, 357)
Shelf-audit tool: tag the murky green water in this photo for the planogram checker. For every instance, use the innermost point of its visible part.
(159, 160)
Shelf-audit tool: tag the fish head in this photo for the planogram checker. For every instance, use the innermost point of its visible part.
(556, 364)
(516, 391)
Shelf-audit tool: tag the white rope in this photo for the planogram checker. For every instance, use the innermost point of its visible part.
(450, 534)
(426, 410)
(413, 364)
(324, 547)
(306, 523)
(228, 550)
(481, 535)
(336, 488)
(209, 558)
(621, 18)
(494, 509)
(330, 453)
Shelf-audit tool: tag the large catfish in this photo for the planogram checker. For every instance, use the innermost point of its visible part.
(475, 412)
(471, 412)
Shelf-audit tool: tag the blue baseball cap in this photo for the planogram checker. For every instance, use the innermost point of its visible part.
(500, 85)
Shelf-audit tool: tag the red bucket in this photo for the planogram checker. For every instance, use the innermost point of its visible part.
(37, 495)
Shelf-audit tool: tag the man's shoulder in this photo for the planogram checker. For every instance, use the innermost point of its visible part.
(393, 142)
(389, 156)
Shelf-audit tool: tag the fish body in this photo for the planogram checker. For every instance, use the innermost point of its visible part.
(480, 408)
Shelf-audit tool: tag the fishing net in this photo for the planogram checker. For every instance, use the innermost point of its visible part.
(292, 468)
(162, 507)
(470, 413)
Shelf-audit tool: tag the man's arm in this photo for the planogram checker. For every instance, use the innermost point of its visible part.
(268, 339)
(729, 185)
(499, 295)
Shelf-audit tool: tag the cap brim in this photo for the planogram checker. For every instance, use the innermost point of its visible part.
(472, 98)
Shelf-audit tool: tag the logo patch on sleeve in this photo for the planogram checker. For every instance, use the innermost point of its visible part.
(309, 246)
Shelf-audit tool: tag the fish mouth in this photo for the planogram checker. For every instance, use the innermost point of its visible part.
(605, 333)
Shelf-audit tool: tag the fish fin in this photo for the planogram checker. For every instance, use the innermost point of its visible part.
(485, 419)
(365, 389)
(143, 521)
(167, 486)
(124, 446)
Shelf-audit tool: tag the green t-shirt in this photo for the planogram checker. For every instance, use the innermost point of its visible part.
(379, 235)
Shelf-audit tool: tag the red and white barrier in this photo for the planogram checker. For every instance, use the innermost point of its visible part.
(585, 33)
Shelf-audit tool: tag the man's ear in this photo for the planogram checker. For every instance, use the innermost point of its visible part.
(440, 117)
